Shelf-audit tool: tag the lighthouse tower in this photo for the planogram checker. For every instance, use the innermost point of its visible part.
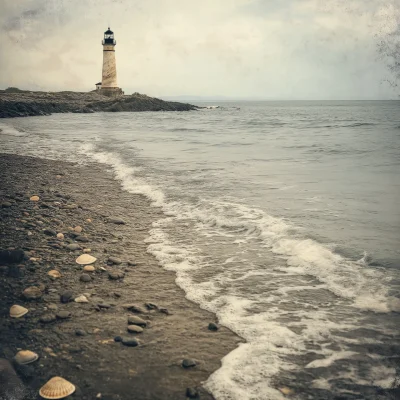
(109, 85)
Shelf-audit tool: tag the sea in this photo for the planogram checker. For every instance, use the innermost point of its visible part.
(281, 217)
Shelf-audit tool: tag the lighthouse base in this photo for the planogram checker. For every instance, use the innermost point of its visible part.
(111, 91)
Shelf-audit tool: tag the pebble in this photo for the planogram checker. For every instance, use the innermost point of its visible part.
(60, 236)
(34, 198)
(117, 221)
(114, 275)
(212, 326)
(82, 239)
(134, 329)
(80, 332)
(151, 306)
(135, 320)
(78, 229)
(114, 260)
(286, 391)
(187, 363)
(6, 204)
(47, 318)
(192, 393)
(66, 296)
(49, 232)
(32, 293)
(54, 274)
(87, 250)
(81, 299)
(73, 246)
(131, 342)
(89, 268)
(164, 311)
(131, 263)
(52, 306)
(63, 315)
(118, 339)
(85, 278)
(134, 308)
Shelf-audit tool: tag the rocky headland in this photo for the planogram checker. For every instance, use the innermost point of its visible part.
(22, 103)
(93, 306)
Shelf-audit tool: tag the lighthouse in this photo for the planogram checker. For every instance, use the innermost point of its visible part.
(109, 86)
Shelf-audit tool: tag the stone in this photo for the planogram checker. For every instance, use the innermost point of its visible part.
(54, 274)
(49, 232)
(32, 293)
(11, 387)
(73, 246)
(131, 263)
(66, 297)
(151, 306)
(85, 278)
(164, 311)
(52, 306)
(286, 391)
(63, 315)
(188, 363)
(135, 320)
(134, 329)
(131, 342)
(80, 332)
(114, 275)
(87, 250)
(192, 393)
(78, 229)
(34, 198)
(81, 299)
(89, 268)
(212, 326)
(134, 308)
(117, 221)
(6, 204)
(47, 318)
(118, 339)
(103, 305)
(11, 256)
(114, 260)
(82, 239)
(60, 236)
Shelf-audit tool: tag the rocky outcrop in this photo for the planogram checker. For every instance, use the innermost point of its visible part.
(21, 103)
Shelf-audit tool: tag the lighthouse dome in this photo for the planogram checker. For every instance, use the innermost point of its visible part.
(109, 37)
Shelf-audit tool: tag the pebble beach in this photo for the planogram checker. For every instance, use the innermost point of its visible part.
(115, 325)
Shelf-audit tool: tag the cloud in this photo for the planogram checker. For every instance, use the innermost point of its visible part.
(259, 48)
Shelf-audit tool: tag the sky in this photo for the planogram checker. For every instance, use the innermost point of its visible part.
(255, 49)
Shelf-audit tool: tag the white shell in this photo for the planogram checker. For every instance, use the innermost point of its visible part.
(81, 299)
(25, 357)
(54, 273)
(85, 259)
(57, 388)
(17, 311)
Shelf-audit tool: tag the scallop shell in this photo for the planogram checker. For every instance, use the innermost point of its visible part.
(56, 388)
(26, 357)
(17, 311)
(34, 198)
(54, 273)
(85, 259)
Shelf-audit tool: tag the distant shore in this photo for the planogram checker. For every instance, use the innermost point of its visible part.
(80, 341)
(22, 103)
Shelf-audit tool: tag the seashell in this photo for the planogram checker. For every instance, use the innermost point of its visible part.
(87, 250)
(81, 299)
(56, 388)
(60, 236)
(286, 391)
(89, 268)
(78, 229)
(89, 220)
(32, 293)
(25, 357)
(85, 259)
(34, 198)
(17, 311)
(54, 273)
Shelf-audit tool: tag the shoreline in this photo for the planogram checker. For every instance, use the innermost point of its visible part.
(177, 329)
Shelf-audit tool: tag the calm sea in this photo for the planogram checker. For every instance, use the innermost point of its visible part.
(282, 218)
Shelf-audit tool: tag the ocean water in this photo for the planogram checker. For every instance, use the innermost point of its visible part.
(282, 218)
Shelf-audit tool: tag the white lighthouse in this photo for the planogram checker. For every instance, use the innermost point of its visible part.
(109, 86)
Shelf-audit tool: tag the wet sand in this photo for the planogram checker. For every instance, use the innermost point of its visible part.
(87, 196)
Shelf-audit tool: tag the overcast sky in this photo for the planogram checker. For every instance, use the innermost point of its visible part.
(301, 49)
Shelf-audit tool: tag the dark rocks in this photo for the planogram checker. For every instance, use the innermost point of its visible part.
(212, 326)
(118, 339)
(15, 271)
(47, 318)
(32, 293)
(63, 315)
(135, 320)
(114, 260)
(134, 308)
(151, 306)
(73, 246)
(188, 363)
(115, 275)
(49, 232)
(103, 305)
(117, 221)
(192, 393)
(131, 342)
(85, 278)
(82, 239)
(80, 332)
(11, 256)
(66, 297)
(6, 204)
(164, 311)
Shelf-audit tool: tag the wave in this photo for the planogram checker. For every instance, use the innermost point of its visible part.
(9, 130)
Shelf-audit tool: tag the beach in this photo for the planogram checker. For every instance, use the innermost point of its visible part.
(81, 341)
